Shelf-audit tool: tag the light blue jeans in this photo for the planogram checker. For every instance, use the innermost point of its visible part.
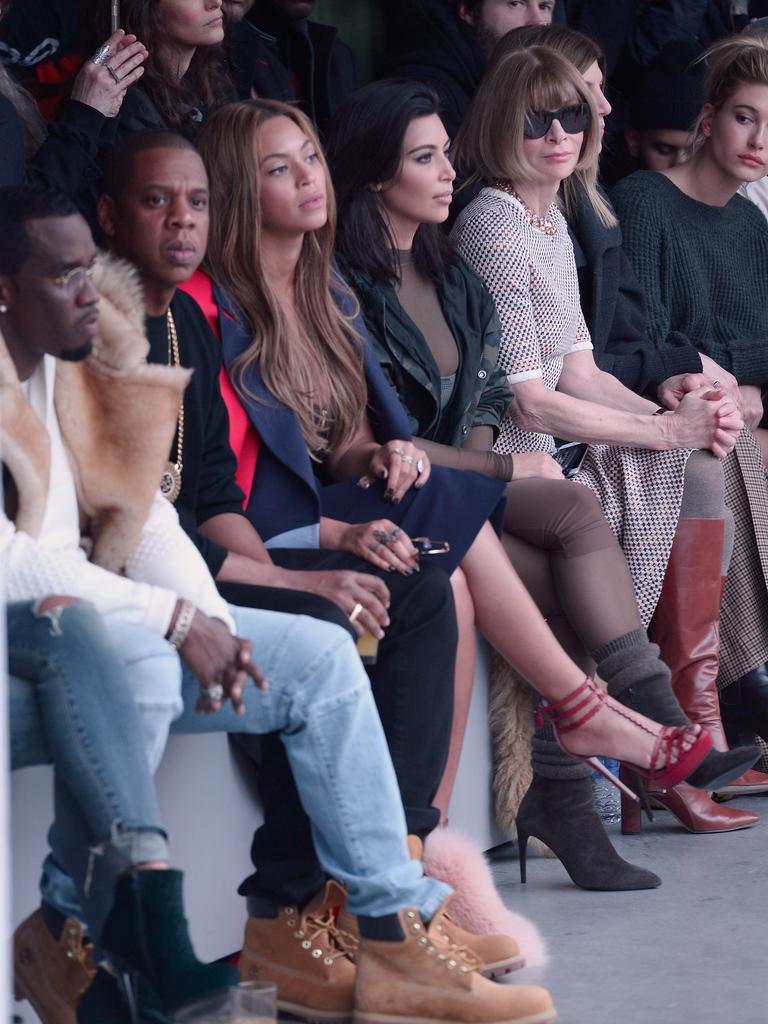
(320, 701)
(71, 705)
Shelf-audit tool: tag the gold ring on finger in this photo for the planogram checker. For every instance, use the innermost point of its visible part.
(355, 613)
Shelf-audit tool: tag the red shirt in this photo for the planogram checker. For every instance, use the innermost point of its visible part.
(242, 434)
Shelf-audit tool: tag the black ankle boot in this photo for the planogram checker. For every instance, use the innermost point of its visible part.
(562, 814)
(105, 1002)
(146, 932)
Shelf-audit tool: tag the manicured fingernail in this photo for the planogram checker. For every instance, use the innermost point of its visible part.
(391, 568)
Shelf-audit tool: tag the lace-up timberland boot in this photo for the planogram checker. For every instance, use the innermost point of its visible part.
(308, 957)
(498, 954)
(51, 973)
(413, 975)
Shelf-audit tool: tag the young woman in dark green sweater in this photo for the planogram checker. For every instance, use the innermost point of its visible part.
(701, 253)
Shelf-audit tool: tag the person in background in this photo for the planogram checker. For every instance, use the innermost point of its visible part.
(184, 76)
(663, 108)
(278, 53)
(64, 155)
(448, 43)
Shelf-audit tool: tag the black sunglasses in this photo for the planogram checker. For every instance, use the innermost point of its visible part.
(573, 119)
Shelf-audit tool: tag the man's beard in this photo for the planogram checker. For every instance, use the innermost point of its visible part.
(77, 355)
(486, 38)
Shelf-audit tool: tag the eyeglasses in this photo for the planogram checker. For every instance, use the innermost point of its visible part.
(72, 282)
(573, 119)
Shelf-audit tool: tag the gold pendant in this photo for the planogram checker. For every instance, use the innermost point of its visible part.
(170, 482)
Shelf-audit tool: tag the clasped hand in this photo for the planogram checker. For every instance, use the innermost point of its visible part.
(218, 658)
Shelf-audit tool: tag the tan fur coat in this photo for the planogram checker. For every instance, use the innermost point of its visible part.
(117, 416)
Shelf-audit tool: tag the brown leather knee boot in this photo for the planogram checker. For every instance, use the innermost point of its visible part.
(686, 626)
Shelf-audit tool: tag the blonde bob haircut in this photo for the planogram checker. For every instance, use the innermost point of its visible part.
(730, 63)
(490, 141)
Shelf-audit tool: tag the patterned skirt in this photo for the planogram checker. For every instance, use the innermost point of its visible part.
(744, 612)
(640, 492)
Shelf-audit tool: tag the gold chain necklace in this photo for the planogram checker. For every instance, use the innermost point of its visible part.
(538, 223)
(170, 482)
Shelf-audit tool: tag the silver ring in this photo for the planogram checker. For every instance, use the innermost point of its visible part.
(212, 694)
(408, 458)
(716, 384)
(111, 70)
(101, 54)
(420, 466)
(395, 533)
(353, 615)
(399, 451)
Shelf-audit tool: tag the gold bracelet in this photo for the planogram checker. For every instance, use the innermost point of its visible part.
(182, 625)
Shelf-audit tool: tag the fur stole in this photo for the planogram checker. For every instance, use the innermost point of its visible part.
(117, 416)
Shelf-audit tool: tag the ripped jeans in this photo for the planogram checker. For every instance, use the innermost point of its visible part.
(71, 705)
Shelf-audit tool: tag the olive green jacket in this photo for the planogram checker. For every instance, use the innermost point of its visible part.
(481, 395)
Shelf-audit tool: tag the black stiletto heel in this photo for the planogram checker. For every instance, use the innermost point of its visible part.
(522, 846)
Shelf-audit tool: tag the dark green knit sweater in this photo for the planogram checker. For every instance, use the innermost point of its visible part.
(704, 271)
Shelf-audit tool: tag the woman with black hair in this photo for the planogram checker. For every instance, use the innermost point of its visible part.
(436, 332)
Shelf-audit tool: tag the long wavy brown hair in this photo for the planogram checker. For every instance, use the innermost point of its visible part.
(206, 81)
(321, 362)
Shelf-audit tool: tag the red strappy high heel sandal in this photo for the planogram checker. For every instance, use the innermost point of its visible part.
(583, 703)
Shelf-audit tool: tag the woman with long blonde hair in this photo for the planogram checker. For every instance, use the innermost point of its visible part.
(270, 253)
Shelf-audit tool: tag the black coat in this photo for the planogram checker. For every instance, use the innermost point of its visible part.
(272, 57)
(614, 309)
(441, 50)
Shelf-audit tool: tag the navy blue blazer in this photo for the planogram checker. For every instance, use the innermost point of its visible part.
(286, 493)
(287, 499)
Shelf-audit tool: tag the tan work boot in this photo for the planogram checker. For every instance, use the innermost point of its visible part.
(422, 978)
(51, 974)
(306, 955)
(497, 954)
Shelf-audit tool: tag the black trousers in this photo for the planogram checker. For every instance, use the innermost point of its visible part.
(412, 683)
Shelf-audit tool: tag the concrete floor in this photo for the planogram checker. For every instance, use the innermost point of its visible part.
(690, 952)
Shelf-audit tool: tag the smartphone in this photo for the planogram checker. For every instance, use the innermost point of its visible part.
(570, 457)
(115, 15)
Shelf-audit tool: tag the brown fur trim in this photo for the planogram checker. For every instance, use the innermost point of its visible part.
(511, 719)
(118, 417)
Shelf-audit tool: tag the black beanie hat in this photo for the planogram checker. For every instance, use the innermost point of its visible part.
(668, 94)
